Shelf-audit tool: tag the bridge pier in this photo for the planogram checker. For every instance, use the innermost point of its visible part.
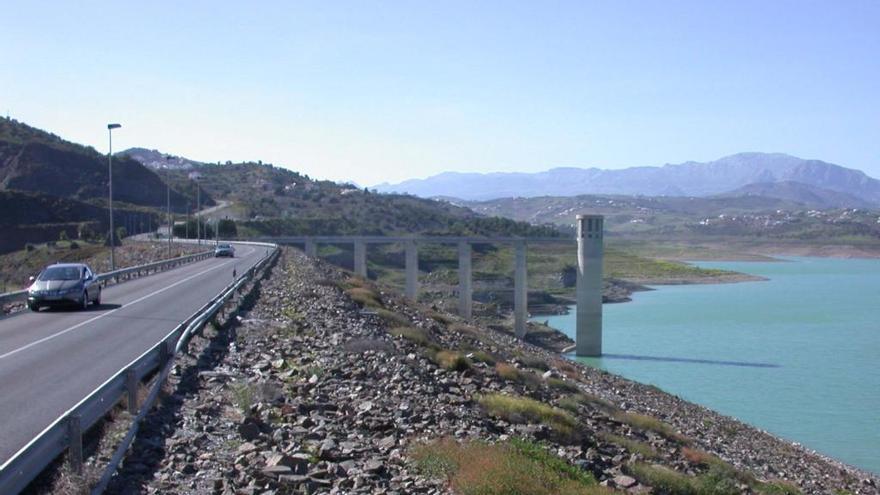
(412, 270)
(360, 257)
(589, 285)
(311, 247)
(464, 280)
(520, 292)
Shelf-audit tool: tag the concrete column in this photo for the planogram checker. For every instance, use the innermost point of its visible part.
(464, 280)
(360, 257)
(590, 231)
(412, 270)
(311, 247)
(520, 292)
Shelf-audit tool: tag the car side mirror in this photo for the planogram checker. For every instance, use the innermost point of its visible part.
(32, 278)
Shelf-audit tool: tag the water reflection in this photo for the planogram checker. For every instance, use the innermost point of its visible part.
(667, 359)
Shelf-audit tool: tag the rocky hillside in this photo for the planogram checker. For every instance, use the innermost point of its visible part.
(37, 161)
(328, 384)
(685, 179)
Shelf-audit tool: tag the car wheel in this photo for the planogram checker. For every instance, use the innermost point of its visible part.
(85, 300)
(98, 299)
(33, 307)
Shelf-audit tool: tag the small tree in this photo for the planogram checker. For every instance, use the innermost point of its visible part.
(226, 228)
(62, 236)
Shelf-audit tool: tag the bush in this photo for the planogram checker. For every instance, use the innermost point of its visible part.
(74, 245)
(517, 409)
(515, 467)
(451, 360)
(483, 357)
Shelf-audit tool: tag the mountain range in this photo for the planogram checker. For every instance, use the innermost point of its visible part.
(769, 174)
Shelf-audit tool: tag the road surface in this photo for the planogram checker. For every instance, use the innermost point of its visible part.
(51, 360)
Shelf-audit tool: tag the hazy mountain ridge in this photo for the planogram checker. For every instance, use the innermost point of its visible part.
(686, 179)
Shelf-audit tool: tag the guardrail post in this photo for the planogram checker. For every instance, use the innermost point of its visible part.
(74, 433)
(131, 385)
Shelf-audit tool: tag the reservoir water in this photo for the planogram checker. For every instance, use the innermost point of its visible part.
(796, 355)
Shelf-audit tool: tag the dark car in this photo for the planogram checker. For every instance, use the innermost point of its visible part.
(224, 250)
(64, 284)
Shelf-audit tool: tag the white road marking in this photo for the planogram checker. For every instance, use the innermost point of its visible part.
(62, 332)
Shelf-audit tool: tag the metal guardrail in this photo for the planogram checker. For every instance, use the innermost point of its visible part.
(122, 273)
(65, 433)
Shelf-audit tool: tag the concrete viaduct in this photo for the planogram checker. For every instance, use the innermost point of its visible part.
(590, 233)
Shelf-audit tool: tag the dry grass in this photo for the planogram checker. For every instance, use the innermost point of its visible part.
(574, 401)
(415, 335)
(365, 297)
(518, 409)
(534, 362)
(482, 357)
(632, 446)
(648, 423)
(511, 373)
(441, 318)
(451, 360)
(516, 467)
(562, 385)
(392, 318)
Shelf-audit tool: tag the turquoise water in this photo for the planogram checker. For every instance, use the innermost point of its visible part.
(796, 355)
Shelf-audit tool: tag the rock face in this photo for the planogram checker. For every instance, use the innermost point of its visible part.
(308, 392)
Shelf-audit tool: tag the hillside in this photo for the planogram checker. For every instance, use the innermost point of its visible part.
(686, 179)
(36, 161)
(272, 201)
(804, 194)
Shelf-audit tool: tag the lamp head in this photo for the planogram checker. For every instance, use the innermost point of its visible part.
(113, 126)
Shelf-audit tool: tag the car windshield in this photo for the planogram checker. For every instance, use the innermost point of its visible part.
(60, 273)
(224, 246)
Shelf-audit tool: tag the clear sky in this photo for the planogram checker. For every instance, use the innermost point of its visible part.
(384, 91)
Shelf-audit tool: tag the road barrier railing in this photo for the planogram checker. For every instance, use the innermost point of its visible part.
(122, 273)
(65, 433)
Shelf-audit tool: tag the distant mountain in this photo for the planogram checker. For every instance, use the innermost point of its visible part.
(36, 161)
(686, 179)
(157, 160)
(807, 195)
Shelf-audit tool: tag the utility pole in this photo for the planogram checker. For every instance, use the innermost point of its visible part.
(198, 212)
(110, 128)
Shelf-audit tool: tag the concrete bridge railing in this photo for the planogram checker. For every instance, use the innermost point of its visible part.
(589, 276)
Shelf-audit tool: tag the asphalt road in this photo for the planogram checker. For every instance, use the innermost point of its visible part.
(51, 360)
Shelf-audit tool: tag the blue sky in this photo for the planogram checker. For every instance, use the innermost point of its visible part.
(384, 91)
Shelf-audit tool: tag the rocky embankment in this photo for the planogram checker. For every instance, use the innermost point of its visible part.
(331, 385)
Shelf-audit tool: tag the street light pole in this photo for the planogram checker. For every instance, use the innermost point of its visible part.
(198, 212)
(168, 204)
(110, 128)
